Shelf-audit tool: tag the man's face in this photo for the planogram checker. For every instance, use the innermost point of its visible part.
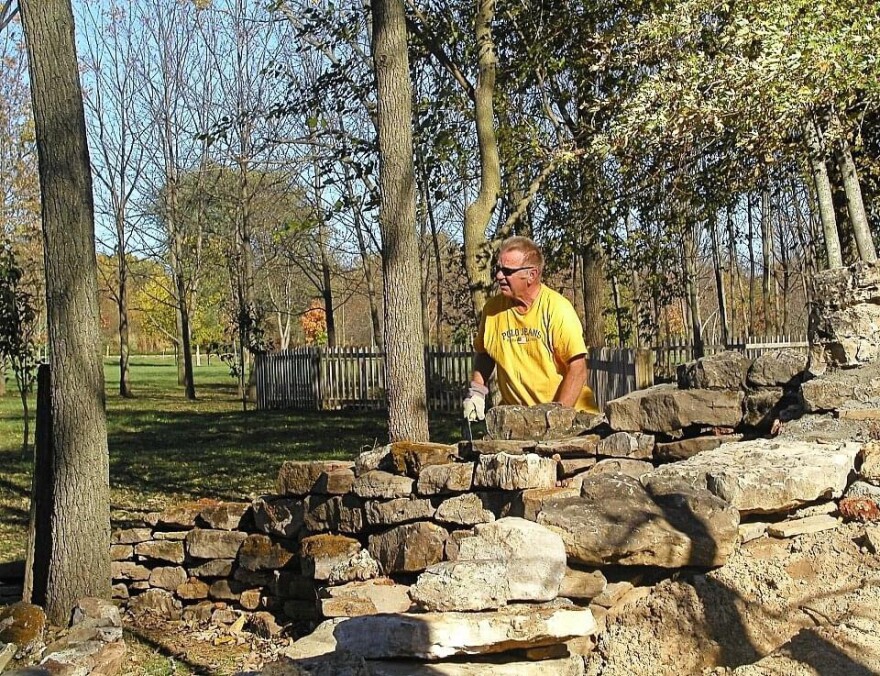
(520, 275)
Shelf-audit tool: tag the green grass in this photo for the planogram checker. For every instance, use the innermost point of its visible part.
(164, 448)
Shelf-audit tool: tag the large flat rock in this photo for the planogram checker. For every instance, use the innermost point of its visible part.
(835, 389)
(347, 665)
(537, 423)
(618, 521)
(765, 476)
(436, 636)
(666, 408)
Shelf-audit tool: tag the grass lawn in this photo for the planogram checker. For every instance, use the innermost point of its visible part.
(164, 448)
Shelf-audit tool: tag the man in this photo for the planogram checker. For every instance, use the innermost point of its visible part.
(532, 334)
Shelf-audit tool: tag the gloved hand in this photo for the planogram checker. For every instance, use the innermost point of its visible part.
(474, 404)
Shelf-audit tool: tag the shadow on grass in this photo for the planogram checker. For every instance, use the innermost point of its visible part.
(231, 455)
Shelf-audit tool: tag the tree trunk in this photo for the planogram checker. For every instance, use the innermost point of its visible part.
(751, 224)
(855, 204)
(77, 560)
(122, 311)
(405, 355)
(719, 280)
(477, 252)
(689, 252)
(593, 287)
(824, 197)
(766, 260)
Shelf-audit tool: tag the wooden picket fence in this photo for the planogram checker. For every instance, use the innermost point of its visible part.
(314, 378)
(668, 356)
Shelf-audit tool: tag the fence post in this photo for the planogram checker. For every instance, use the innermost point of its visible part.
(644, 363)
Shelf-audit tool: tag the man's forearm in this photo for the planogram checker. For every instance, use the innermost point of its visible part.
(483, 367)
(572, 382)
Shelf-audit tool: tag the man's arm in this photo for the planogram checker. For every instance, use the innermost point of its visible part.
(483, 367)
(573, 381)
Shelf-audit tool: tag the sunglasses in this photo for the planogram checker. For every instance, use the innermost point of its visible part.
(507, 272)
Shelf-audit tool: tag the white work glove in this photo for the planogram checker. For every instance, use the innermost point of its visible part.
(474, 404)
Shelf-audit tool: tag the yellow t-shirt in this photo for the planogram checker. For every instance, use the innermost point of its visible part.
(531, 351)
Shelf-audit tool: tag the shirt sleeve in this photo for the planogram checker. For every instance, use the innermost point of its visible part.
(568, 333)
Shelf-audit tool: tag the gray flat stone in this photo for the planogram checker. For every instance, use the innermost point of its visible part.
(665, 408)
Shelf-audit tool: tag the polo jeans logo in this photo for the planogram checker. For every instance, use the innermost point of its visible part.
(522, 336)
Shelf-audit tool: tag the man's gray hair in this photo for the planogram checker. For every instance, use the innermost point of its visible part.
(531, 252)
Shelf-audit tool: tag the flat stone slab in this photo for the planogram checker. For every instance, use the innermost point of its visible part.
(618, 521)
(836, 389)
(687, 448)
(583, 446)
(410, 457)
(634, 446)
(810, 524)
(380, 484)
(538, 423)
(722, 371)
(448, 478)
(766, 476)
(492, 446)
(343, 663)
(436, 636)
(665, 408)
(409, 548)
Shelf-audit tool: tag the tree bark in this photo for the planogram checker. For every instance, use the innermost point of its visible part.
(751, 237)
(766, 260)
(712, 225)
(824, 197)
(78, 556)
(477, 253)
(404, 351)
(854, 203)
(689, 253)
(593, 287)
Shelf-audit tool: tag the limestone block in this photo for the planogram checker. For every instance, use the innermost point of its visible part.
(538, 423)
(767, 476)
(762, 407)
(633, 468)
(338, 513)
(777, 368)
(846, 337)
(435, 636)
(374, 458)
(161, 550)
(212, 568)
(493, 446)
(572, 447)
(319, 553)
(463, 585)
(687, 448)
(410, 457)
(156, 601)
(121, 552)
(515, 472)
(582, 585)
(184, 515)
(192, 589)
(260, 552)
(409, 548)
(870, 469)
(97, 657)
(810, 524)
(225, 590)
(383, 594)
(463, 510)
(665, 408)
(130, 536)
(448, 478)
(617, 521)
(358, 567)
(283, 517)
(298, 477)
(529, 502)
(635, 446)
(126, 570)
(335, 482)
(569, 467)
(225, 515)
(836, 388)
(399, 510)
(722, 371)
(379, 484)
(167, 577)
(202, 543)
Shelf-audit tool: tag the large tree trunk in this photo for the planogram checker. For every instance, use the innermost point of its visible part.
(824, 197)
(122, 311)
(78, 555)
(689, 262)
(477, 252)
(405, 355)
(751, 238)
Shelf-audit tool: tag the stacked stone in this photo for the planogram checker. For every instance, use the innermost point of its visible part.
(198, 560)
